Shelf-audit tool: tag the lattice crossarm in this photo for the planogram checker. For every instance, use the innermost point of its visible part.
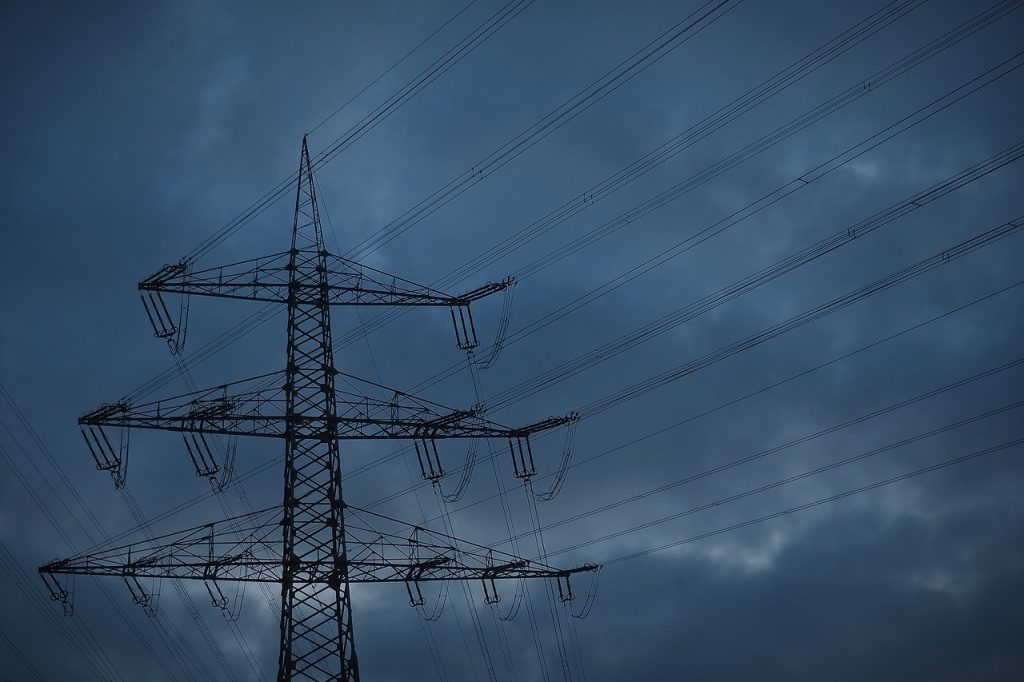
(257, 279)
(485, 290)
(248, 407)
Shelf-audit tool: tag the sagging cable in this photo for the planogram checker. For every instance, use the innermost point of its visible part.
(467, 474)
(588, 602)
(563, 467)
(503, 323)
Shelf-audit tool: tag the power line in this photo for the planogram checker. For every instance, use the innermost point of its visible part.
(979, 241)
(626, 70)
(391, 68)
(74, 638)
(21, 657)
(413, 87)
(824, 500)
(768, 452)
(903, 275)
(694, 309)
(1009, 407)
(186, 599)
(784, 78)
(96, 649)
(255, 471)
(823, 247)
(651, 53)
(633, 171)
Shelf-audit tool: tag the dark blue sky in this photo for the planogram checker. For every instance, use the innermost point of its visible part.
(135, 131)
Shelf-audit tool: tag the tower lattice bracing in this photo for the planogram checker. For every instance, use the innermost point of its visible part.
(313, 544)
(316, 618)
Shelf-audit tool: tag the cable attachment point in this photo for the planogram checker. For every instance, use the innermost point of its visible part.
(58, 592)
(491, 595)
(465, 331)
(147, 600)
(564, 588)
(416, 597)
(503, 323)
(166, 326)
(429, 459)
(201, 453)
(107, 455)
(522, 457)
(217, 597)
(570, 421)
(199, 449)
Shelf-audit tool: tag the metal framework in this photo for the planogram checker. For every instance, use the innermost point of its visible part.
(313, 545)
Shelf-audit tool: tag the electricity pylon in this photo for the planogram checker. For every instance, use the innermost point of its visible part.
(313, 544)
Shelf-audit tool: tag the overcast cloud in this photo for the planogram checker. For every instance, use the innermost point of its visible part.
(135, 130)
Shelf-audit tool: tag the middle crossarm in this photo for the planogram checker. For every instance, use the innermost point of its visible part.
(256, 407)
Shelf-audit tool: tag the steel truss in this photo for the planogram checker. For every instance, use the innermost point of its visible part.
(313, 545)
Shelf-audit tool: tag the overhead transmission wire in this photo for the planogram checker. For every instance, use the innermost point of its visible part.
(775, 449)
(771, 386)
(766, 142)
(470, 42)
(778, 483)
(772, 86)
(102, 659)
(657, 381)
(977, 454)
(924, 266)
(995, 159)
(752, 98)
(162, 627)
(391, 68)
(936, 106)
(186, 599)
(660, 326)
(698, 132)
(563, 649)
(655, 51)
(756, 280)
(26, 425)
(822, 247)
(78, 639)
(474, 39)
(638, 62)
(769, 199)
(29, 666)
(524, 594)
(957, 180)
(255, 471)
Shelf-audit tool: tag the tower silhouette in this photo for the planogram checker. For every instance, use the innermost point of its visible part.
(313, 544)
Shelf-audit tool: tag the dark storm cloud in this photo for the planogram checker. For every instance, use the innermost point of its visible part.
(134, 131)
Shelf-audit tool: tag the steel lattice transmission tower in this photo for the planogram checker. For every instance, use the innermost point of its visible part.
(313, 544)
